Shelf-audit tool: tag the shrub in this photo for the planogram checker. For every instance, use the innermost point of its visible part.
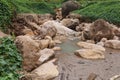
(10, 60)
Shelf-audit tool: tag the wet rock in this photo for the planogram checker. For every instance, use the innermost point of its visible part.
(101, 29)
(91, 46)
(46, 54)
(28, 48)
(115, 44)
(70, 23)
(56, 48)
(69, 6)
(2, 34)
(90, 54)
(45, 72)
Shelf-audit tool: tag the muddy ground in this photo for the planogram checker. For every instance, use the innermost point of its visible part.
(72, 67)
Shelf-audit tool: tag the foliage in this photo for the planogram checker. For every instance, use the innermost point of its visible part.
(10, 60)
(109, 10)
(6, 11)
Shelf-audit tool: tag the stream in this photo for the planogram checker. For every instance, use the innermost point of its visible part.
(72, 67)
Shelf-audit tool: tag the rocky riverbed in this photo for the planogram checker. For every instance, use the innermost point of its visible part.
(66, 49)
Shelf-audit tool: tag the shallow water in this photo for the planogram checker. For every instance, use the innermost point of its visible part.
(69, 46)
(72, 67)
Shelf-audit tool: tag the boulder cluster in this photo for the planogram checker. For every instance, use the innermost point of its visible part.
(37, 36)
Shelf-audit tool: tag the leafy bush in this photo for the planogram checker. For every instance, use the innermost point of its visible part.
(108, 10)
(10, 60)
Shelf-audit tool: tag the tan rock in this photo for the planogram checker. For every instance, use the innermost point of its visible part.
(90, 54)
(28, 48)
(57, 41)
(44, 43)
(45, 72)
(27, 31)
(46, 54)
(56, 48)
(90, 46)
(115, 44)
(60, 28)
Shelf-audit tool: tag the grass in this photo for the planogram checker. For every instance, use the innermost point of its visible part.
(108, 10)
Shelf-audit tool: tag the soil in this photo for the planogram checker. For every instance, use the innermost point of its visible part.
(72, 67)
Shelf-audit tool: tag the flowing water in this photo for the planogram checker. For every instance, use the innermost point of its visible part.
(72, 67)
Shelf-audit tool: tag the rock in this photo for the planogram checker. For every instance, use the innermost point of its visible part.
(45, 72)
(28, 48)
(74, 16)
(70, 23)
(56, 48)
(57, 41)
(44, 43)
(100, 43)
(46, 54)
(115, 77)
(101, 29)
(58, 13)
(47, 29)
(83, 27)
(115, 44)
(60, 28)
(27, 31)
(2, 34)
(90, 41)
(116, 38)
(69, 6)
(90, 54)
(92, 76)
(91, 46)
(51, 44)
(29, 21)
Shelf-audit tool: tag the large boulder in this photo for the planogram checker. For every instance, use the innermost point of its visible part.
(70, 23)
(69, 6)
(90, 54)
(114, 44)
(46, 71)
(59, 27)
(47, 29)
(101, 29)
(91, 46)
(28, 48)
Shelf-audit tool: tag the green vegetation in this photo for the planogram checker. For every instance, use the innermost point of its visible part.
(108, 10)
(10, 60)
